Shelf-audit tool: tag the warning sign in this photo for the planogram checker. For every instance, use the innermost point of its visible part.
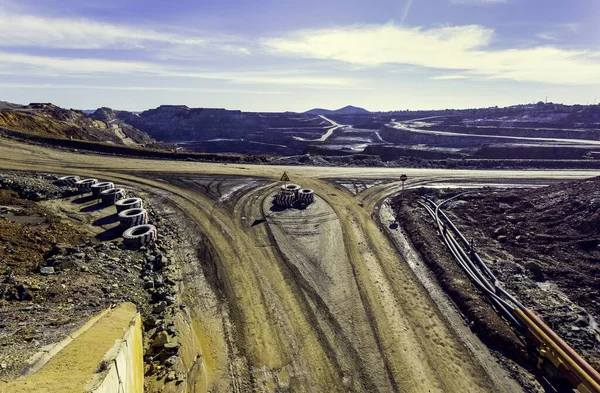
(403, 178)
(285, 177)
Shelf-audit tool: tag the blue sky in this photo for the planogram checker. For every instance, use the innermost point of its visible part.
(268, 55)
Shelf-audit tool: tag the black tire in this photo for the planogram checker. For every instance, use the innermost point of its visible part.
(68, 181)
(290, 188)
(132, 217)
(139, 235)
(110, 196)
(99, 187)
(306, 196)
(84, 186)
(128, 203)
(285, 200)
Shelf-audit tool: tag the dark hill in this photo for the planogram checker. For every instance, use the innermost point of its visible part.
(347, 110)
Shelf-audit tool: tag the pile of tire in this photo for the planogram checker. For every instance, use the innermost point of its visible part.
(128, 203)
(306, 196)
(110, 196)
(101, 186)
(290, 188)
(285, 200)
(85, 185)
(140, 235)
(68, 181)
(132, 217)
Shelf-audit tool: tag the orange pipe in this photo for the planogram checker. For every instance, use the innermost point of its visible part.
(585, 374)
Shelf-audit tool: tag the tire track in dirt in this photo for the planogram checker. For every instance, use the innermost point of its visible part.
(327, 281)
(422, 351)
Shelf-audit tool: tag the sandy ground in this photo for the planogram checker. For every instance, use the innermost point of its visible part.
(317, 300)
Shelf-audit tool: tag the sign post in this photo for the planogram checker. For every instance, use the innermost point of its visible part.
(284, 178)
(403, 178)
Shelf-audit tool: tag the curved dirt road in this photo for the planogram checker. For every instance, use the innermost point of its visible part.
(319, 300)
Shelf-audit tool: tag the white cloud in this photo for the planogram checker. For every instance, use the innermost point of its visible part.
(449, 77)
(547, 36)
(463, 48)
(27, 65)
(29, 30)
(53, 86)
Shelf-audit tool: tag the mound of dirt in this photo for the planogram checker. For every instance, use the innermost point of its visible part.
(554, 231)
(544, 246)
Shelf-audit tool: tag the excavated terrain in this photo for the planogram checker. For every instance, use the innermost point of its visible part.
(255, 298)
(542, 243)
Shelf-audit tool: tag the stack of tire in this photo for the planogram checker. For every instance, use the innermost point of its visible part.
(68, 181)
(287, 195)
(132, 217)
(139, 235)
(306, 196)
(111, 195)
(285, 200)
(101, 186)
(85, 185)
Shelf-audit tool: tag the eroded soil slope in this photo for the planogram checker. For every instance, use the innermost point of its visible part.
(544, 244)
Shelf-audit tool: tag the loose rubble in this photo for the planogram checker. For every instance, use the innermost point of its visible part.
(67, 275)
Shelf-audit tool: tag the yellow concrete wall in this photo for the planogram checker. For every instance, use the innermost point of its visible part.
(126, 364)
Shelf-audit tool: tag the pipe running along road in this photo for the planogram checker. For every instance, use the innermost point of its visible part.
(550, 346)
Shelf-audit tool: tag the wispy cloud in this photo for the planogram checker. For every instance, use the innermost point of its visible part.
(449, 77)
(464, 48)
(547, 36)
(23, 64)
(31, 30)
(55, 86)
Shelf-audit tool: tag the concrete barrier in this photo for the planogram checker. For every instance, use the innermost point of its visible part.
(105, 355)
(125, 367)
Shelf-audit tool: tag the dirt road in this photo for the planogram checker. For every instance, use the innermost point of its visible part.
(318, 300)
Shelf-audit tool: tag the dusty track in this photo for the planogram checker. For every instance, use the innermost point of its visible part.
(347, 314)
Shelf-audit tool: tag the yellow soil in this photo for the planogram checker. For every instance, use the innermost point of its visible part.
(285, 346)
(72, 367)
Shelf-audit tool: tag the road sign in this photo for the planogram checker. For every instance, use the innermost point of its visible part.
(285, 177)
(403, 178)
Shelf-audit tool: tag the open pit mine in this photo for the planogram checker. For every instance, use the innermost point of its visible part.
(151, 268)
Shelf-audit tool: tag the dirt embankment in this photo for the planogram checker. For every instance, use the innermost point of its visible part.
(544, 244)
(62, 261)
(482, 318)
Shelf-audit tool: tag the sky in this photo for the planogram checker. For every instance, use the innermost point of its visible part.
(278, 55)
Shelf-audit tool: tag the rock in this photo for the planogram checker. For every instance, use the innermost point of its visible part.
(46, 270)
(161, 340)
(500, 231)
(536, 271)
(513, 219)
(170, 300)
(160, 307)
(159, 262)
(171, 361)
(172, 346)
(501, 239)
(171, 376)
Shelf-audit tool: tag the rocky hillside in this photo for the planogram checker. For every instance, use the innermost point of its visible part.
(221, 130)
(52, 121)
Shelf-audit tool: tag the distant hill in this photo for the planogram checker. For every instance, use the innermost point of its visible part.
(9, 105)
(347, 110)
